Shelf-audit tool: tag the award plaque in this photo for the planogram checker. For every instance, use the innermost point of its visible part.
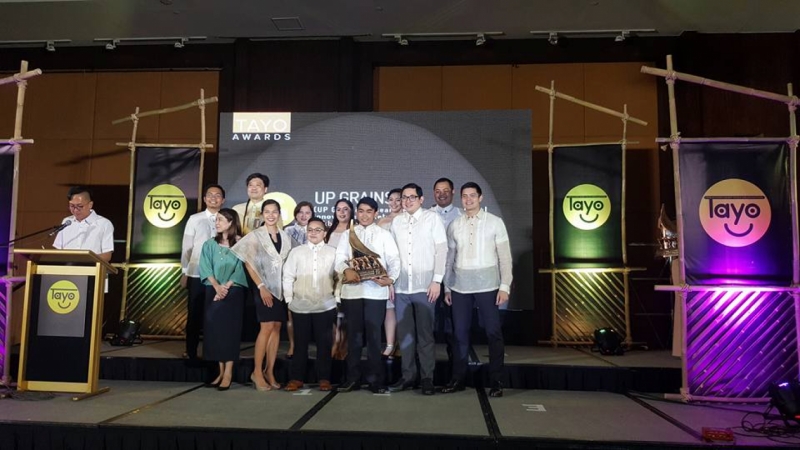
(364, 261)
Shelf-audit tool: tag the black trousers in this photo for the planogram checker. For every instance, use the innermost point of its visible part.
(195, 314)
(364, 320)
(319, 325)
(463, 305)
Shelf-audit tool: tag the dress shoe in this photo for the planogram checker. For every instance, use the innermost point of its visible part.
(496, 390)
(257, 387)
(453, 386)
(401, 385)
(224, 388)
(293, 385)
(325, 386)
(378, 389)
(427, 387)
(348, 386)
(212, 384)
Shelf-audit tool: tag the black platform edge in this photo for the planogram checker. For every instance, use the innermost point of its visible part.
(518, 376)
(45, 436)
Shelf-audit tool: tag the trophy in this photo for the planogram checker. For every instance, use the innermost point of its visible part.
(364, 261)
(668, 242)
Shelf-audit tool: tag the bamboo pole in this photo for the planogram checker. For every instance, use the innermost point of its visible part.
(595, 270)
(131, 174)
(709, 287)
(156, 145)
(724, 139)
(669, 73)
(15, 140)
(551, 216)
(202, 149)
(21, 76)
(593, 106)
(167, 110)
(793, 140)
(624, 190)
(580, 144)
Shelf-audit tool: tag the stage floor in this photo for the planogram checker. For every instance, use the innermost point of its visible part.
(521, 419)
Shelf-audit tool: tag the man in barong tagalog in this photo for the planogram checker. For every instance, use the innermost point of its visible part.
(361, 255)
(250, 211)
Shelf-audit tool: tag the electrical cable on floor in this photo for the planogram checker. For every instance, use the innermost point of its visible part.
(656, 398)
(776, 430)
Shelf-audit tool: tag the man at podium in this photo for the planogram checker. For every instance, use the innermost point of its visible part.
(85, 229)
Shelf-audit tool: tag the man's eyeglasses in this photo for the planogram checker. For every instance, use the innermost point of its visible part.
(412, 198)
(76, 207)
(213, 195)
(316, 230)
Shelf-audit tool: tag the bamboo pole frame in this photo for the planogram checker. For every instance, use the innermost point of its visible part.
(133, 145)
(625, 117)
(675, 139)
(14, 145)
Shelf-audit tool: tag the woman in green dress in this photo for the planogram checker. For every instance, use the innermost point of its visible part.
(226, 284)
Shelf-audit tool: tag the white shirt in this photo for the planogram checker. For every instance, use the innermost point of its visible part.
(253, 219)
(448, 214)
(379, 241)
(298, 234)
(95, 233)
(199, 228)
(479, 254)
(308, 278)
(422, 242)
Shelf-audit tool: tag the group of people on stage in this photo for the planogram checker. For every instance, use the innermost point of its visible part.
(301, 274)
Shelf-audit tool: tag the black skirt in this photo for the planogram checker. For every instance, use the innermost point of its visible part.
(277, 313)
(222, 326)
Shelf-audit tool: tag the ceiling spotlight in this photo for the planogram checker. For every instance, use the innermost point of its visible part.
(400, 39)
(622, 36)
(181, 43)
(50, 46)
(480, 40)
(552, 38)
(112, 45)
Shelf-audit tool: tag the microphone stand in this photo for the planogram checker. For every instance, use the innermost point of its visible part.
(11, 242)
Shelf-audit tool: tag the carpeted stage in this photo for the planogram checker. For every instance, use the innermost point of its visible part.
(556, 398)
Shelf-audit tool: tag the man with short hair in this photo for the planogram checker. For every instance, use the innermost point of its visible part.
(308, 291)
(250, 211)
(422, 242)
(364, 301)
(199, 228)
(444, 208)
(87, 230)
(478, 275)
(443, 195)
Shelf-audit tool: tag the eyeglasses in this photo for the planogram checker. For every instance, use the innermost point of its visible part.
(76, 207)
(213, 195)
(316, 230)
(411, 198)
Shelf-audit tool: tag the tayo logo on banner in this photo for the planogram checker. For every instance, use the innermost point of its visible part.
(261, 126)
(735, 212)
(165, 206)
(63, 297)
(586, 207)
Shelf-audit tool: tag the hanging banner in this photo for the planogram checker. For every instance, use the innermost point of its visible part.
(165, 195)
(587, 206)
(737, 227)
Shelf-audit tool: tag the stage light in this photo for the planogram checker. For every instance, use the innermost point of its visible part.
(181, 43)
(785, 397)
(608, 341)
(622, 36)
(112, 45)
(400, 39)
(128, 334)
(480, 40)
(50, 46)
(552, 38)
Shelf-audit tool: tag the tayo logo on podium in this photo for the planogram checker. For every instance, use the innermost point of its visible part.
(165, 206)
(735, 212)
(586, 207)
(63, 297)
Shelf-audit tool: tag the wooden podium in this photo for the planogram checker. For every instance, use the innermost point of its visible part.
(62, 321)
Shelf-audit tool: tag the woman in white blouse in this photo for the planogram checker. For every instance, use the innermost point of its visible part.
(264, 251)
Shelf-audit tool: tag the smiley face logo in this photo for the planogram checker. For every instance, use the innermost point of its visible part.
(165, 206)
(586, 207)
(735, 212)
(63, 297)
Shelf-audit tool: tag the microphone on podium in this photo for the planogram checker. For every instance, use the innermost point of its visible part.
(58, 228)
